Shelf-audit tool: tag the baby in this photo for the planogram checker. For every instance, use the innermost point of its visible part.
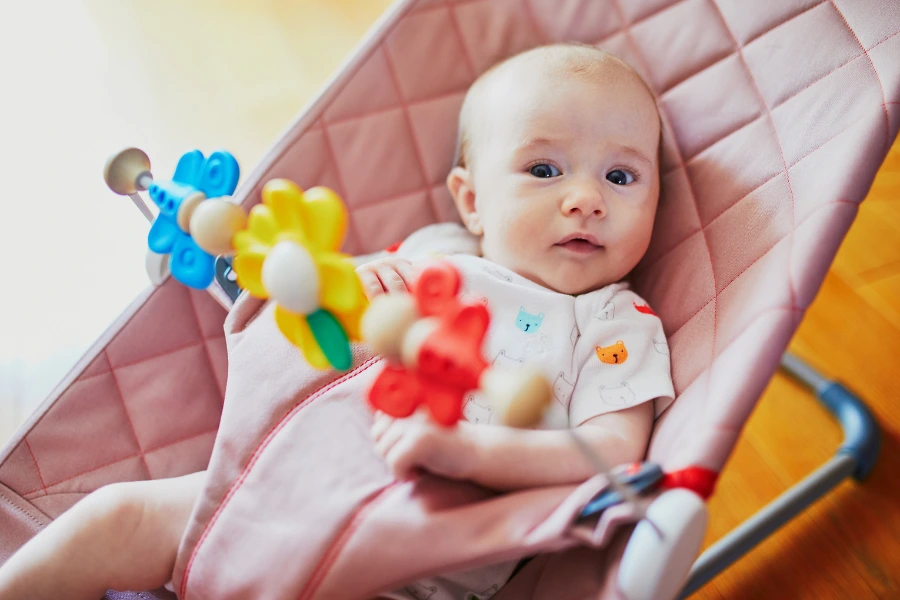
(556, 183)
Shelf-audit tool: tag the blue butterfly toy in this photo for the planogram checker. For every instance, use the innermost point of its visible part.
(196, 178)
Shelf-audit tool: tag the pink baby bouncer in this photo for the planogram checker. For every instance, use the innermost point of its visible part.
(776, 117)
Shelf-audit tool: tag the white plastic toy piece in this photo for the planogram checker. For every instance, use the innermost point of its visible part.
(157, 266)
(654, 566)
(290, 275)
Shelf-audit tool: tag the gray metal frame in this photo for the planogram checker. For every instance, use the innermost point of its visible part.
(855, 457)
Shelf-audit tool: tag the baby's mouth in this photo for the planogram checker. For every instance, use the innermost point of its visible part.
(580, 244)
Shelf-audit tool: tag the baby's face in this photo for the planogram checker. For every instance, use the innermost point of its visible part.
(565, 177)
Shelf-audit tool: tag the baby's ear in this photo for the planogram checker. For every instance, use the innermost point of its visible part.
(462, 189)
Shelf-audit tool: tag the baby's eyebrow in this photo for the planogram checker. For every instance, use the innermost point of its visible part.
(537, 142)
(635, 154)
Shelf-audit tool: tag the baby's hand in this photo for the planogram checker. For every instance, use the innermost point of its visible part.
(386, 275)
(417, 443)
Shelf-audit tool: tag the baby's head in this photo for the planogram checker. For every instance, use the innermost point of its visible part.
(558, 166)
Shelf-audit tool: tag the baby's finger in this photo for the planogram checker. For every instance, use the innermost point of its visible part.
(370, 282)
(381, 424)
(388, 439)
(408, 273)
(403, 458)
(391, 280)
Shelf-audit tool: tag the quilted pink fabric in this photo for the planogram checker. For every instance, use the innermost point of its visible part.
(776, 117)
(143, 403)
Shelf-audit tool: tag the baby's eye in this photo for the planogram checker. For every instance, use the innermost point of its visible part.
(620, 177)
(545, 170)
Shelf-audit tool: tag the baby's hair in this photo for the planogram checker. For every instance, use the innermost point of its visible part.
(570, 58)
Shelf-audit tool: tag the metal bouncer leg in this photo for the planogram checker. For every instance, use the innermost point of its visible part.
(856, 457)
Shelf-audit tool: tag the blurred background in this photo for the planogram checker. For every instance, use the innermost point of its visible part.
(82, 79)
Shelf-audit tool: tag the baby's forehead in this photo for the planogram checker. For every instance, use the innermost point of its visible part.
(538, 82)
(539, 95)
(546, 64)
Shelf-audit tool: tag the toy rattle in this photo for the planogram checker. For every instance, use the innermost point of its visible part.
(432, 341)
(196, 178)
(288, 250)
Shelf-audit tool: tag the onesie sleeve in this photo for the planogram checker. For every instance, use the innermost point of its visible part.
(623, 358)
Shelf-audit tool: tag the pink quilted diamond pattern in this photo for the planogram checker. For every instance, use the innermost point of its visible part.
(88, 436)
(493, 30)
(676, 218)
(730, 156)
(19, 471)
(437, 50)
(686, 268)
(381, 219)
(87, 411)
(567, 20)
(436, 121)
(883, 56)
(759, 221)
(306, 162)
(180, 329)
(693, 337)
(183, 457)
(130, 468)
(367, 82)
(682, 40)
(423, 5)
(443, 204)
(99, 366)
(637, 11)
(819, 174)
(872, 21)
(763, 286)
(820, 233)
(162, 414)
(805, 112)
(801, 59)
(397, 169)
(217, 352)
(701, 119)
(748, 22)
(620, 44)
(208, 313)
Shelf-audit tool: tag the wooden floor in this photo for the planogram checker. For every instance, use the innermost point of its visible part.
(848, 544)
(237, 75)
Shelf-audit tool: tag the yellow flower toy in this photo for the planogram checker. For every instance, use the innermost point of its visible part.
(289, 251)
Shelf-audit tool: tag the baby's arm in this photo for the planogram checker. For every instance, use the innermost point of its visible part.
(504, 458)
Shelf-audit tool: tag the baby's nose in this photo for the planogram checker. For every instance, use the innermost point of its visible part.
(585, 199)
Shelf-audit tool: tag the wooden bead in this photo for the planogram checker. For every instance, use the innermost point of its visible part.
(123, 170)
(521, 400)
(386, 321)
(187, 208)
(214, 223)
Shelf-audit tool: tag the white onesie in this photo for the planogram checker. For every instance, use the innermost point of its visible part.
(604, 351)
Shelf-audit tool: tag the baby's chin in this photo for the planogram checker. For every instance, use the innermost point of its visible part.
(569, 281)
(577, 285)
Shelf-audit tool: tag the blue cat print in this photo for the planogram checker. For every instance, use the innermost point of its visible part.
(528, 322)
